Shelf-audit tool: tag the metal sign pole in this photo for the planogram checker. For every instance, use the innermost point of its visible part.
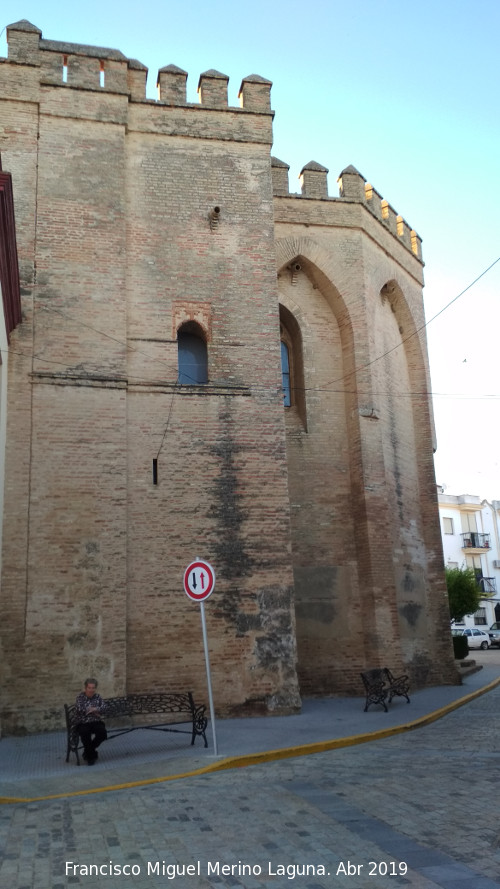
(209, 678)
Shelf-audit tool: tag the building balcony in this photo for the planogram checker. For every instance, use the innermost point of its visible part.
(487, 584)
(474, 540)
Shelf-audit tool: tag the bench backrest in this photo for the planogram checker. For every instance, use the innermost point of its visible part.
(135, 704)
(154, 702)
(390, 677)
(377, 676)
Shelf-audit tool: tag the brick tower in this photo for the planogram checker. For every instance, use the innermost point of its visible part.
(174, 295)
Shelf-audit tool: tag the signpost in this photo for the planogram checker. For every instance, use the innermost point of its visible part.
(199, 582)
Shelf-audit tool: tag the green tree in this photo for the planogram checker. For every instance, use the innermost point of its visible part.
(464, 594)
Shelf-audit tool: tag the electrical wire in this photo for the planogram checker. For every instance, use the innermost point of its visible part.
(100, 374)
(415, 332)
(325, 388)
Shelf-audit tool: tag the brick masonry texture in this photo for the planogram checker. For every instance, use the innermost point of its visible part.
(320, 519)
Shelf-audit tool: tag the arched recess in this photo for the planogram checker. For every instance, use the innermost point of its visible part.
(406, 337)
(305, 255)
(413, 341)
(192, 355)
(323, 459)
(401, 377)
(302, 256)
(317, 264)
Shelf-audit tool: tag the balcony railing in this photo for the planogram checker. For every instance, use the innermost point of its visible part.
(475, 540)
(487, 584)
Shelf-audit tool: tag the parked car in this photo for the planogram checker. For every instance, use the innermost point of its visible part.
(494, 633)
(476, 638)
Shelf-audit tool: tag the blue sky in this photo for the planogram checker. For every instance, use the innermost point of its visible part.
(406, 92)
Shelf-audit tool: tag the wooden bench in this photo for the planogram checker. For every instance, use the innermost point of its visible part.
(381, 685)
(137, 705)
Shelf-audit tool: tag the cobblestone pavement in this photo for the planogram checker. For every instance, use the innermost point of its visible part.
(417, 810)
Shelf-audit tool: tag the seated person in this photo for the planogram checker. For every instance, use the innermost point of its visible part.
(89, 707)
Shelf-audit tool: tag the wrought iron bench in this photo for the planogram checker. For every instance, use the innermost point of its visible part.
(381, 686)
(135, 705)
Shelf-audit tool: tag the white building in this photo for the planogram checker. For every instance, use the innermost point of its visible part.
(470, 529)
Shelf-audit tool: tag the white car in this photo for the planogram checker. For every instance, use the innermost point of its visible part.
(476, 638)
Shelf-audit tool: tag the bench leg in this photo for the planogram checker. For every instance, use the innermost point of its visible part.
(368, 702)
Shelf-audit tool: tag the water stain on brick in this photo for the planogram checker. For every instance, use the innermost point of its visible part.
(276, 646)
(408, 582)
(274, 649)
(247, 623)
(411, 612)
(91, 568)
(271, 623)
(232, 557)
(227, 507)
(419, 670)
(316, 591)
(77, 640)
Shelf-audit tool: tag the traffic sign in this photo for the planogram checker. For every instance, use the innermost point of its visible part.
(199, 580)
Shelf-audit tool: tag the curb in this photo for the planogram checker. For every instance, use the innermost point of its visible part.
(250, 759)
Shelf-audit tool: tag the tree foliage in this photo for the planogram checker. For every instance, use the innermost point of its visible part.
(464, 594)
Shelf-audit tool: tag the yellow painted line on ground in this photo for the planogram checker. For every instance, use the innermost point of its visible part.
(250, 759)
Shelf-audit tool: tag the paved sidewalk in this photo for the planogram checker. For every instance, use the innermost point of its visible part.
(34, 766)
(396, 812)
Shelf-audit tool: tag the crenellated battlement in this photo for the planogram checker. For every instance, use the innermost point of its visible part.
(353, 187)
(108, 70)
(110, 79)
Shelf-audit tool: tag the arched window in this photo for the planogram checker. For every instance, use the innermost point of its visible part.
(292, 366)
(285, 374)
(191, 355)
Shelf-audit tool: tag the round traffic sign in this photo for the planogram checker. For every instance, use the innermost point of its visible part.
(199, 580)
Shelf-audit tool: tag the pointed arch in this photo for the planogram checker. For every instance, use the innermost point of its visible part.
(413, 342)
(319, 265)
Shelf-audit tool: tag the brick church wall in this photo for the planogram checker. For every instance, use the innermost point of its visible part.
(137, 217)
